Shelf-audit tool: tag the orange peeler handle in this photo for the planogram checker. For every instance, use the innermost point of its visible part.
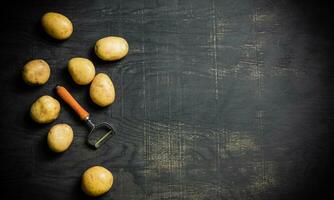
(67, 97)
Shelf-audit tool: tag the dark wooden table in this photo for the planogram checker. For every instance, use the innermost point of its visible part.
(219, 99)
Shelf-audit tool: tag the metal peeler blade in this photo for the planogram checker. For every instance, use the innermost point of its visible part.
(94, 138)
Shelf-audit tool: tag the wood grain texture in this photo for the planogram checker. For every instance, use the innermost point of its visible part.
(219, 99)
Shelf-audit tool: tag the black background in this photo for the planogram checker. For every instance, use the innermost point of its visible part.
(219, 99)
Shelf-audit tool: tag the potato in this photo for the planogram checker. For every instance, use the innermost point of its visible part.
(36, 72)
(102, 91)
(45, 109)
(111, 48)
(82, 70)
(60, 137)
(57, 25)
(96, 181)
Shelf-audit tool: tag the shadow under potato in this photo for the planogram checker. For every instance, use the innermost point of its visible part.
(96, 60)
(89, 102)
(43, 151)
(68, 82)
(77, 191)
(102, 63)
(21, 86)
(30, 124)
(40, 33)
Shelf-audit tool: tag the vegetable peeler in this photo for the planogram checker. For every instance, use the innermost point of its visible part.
(94, 138)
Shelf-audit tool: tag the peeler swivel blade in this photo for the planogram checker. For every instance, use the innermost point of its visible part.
(99, 133)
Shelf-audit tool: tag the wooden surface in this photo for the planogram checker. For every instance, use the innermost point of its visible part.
(219, 99)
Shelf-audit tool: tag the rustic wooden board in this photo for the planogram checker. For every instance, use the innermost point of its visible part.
(219, 99)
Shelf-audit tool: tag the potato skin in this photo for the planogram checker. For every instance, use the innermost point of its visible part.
(96, 181)
(102, 90)
(111, 48)
(82, 70)
(36, 72)
(45, 109)
(57, 25)
(60, 137)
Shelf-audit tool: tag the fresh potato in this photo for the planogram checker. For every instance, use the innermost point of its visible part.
(60, 137)
(82, 70)
(102, 91)
(96, 181)
(45, 109)
(36, 72)
(57, 25)
(111, 48)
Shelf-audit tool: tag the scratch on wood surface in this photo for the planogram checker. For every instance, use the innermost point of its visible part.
(259, 116)
(176, 148)
(279, 71)
(257, 185)
(221, 23)
(218, 164)
(122, 94)
(165, 151)
(241, 145)
(219, 73)
(262, 18)
(169, 132)
(258, 44)
(218, 153)
(215, 48)
(236, 69)
(157, 99)
(191, 9)
(260, 130)
(125, 181)
(169, 86)
(182, 151)
(145, 137)
(234, 143)
(180, 146)
(120, 16)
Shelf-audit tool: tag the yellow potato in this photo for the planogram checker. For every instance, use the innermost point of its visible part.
(96, 181)
(45, 109)
(82, 70)
(102, 91)
(60, 137)
(111, 48)
(57, 25)
(36, 72)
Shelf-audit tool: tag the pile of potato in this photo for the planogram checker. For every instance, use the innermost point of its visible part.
(96, 180)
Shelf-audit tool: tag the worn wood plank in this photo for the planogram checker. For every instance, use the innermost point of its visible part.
(219, 99)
